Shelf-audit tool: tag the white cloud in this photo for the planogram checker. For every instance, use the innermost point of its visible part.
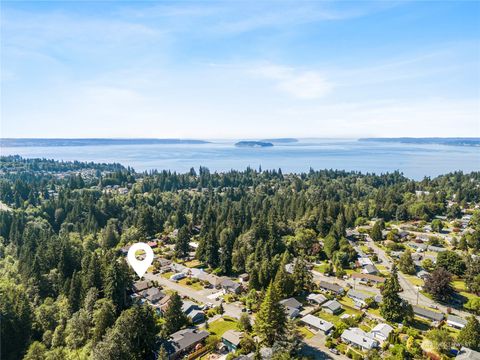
(302, 84)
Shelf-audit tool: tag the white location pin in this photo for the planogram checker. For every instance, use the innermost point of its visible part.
(140, 266)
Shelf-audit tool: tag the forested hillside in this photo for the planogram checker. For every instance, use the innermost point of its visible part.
(63, 285)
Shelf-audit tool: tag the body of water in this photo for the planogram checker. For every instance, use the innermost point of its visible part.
(414, 160)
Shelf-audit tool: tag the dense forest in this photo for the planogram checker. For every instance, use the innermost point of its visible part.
(63, 283)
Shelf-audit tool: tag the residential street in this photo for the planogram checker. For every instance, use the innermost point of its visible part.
(410, 291)
(201, 296)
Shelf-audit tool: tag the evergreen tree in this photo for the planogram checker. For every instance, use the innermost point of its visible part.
(283, 280)
(406, 264)
(117, 282)
(271, 319)
(393, 308)
(182, 244)
(470, 335)
(376, 232)
(302, 276)
(174, 317)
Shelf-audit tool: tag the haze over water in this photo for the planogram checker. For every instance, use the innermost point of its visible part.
(414, 160)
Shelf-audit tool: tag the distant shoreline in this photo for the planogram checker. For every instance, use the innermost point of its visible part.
(455, 141)
(53, 142)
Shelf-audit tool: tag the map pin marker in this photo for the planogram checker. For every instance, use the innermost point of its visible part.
(140, 266)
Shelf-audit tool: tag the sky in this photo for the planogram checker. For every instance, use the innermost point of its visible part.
(240, 69)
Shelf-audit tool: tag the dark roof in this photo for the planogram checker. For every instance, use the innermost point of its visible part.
(332, 287)
(153, 294)
(183, 339)
(291, 302)
(141, 285)
(429, 314)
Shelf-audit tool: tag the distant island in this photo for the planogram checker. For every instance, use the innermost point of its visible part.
(281, 140)
(457, 141)
(253, 144)
(30, 142)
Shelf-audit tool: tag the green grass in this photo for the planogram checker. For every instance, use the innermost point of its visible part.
(196, 286)
(334, 319)
(167, 274)
(306, 333)
(218, 327)
(320, 268)
(468, 295)
(375, 312)
(414, 280)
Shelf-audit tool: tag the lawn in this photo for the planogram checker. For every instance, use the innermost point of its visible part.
(459, 285)
(196, 286)
(375, 312)
(218, 327)
(468, 295)
(414, 280)
(193, 264)
(334, 319)
(306, 333)
(321, 268)
(383, 269)
(167, 274)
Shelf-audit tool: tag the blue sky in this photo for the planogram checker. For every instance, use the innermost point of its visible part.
(240, 69)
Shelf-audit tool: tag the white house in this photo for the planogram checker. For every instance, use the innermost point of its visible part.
(456, 321)
(318, 299)
(359, 338)
(381, 332)
(317, 324)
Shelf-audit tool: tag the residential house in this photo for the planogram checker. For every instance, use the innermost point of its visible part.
(418, 247)
(364, 261)
(359, 297)
(231, 339)
(381, 332)
(370, 269)
(231, 286)
(359, 338)
(141, 286)
(316, 299)
(368, 278)
(333, 288)
(292, 307)
(332, 307)
(189, 306)
(427, 314)
(456, 322)
(317, 324)
(422, 274)
(153, 295)
(467, 354)
(436, 248)
(396, 254)
(183, 342)
(197, 316)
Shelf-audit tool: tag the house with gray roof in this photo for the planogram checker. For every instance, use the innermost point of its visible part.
(153, 295)
(332, 307)
(359, 338)
(317, 299)
(370, 269)
(467, 354)
(359, 297)
(427, 314)
(333, 288)
(456, 321)
(381, 332)
(317, 324)
(231, 339)
(183, 342)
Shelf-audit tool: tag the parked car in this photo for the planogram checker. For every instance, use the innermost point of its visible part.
(334, 351)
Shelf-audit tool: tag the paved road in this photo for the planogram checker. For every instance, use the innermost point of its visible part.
(410, 292)
(233, 310)
(315, 347)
